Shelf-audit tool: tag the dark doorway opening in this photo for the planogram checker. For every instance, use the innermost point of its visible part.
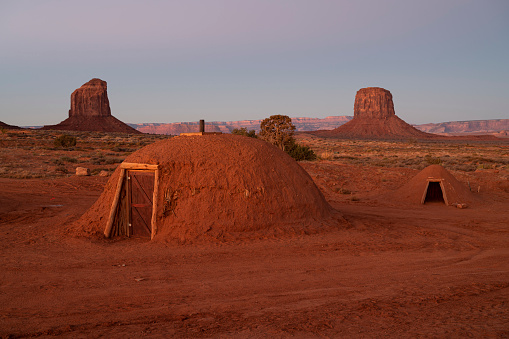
(434, 192)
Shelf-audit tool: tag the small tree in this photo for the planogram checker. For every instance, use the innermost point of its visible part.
(278, 130)
(243, 131)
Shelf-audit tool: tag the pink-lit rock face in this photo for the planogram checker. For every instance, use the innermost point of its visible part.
(90, 100)
(373, 102)
(374, 118)
(90, 111)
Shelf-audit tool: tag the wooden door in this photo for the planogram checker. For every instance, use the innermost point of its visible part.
(141, 190)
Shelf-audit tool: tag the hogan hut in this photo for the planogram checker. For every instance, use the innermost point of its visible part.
(434, 184)
(208, 186)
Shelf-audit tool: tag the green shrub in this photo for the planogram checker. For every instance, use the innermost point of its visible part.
(300, 153)
(243, 131)
(58, 162)
(61, 169)
(65, 141)
(69, 159)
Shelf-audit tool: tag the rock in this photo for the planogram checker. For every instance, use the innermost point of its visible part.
(104, 174)
(467, 127)
(373, 102)
(82, 171)
(90, 100)
(3, 125)
(502, 134)
(375, 118)
(301, 125)
(90, 111)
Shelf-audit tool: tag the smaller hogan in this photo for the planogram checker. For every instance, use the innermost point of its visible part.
(434, 184)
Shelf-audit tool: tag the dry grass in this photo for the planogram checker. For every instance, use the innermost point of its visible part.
(29, 154)
(454, 155)
(32, 153)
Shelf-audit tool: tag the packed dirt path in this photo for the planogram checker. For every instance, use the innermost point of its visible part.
(395, 271)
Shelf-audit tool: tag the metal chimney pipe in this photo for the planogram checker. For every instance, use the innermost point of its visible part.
(202, 126)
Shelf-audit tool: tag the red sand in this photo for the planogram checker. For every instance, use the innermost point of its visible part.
(398, 271)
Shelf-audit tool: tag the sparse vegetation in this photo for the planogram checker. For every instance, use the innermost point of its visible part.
(327, 155)
(456, 156)
(300, 153)
(65, 140)
(37, 154)
(279, 131)
(243, 131)
(432, 160)
(33, 154)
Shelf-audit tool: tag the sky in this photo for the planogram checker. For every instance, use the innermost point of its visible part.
(227, 60)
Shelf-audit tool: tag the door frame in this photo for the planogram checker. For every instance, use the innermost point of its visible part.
(441, 182)
(123, 184)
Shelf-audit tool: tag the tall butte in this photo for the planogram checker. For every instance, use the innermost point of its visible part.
(375, 118)
(90, 111)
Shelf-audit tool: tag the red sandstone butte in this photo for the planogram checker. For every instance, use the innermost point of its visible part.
(374, 117)
(373, 103)
(91, 100)
(90, 111)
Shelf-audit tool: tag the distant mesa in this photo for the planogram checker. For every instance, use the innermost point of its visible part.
(3, 125)
(90, 111)
(301, 125)
(503, 134)
(494, 127)
(374, 117)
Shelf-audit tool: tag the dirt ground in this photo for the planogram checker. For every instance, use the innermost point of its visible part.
(397, 270)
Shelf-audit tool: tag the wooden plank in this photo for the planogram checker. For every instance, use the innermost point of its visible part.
(142, 192)
(199, 133)
(154, 204)
(135, 166)
(425, 192)
(109, 224)
(127, 201)
(444, 195)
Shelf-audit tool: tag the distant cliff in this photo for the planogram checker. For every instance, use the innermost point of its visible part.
(466, 127)
(301, 124)
(499, 127)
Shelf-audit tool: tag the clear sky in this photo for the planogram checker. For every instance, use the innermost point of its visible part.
(223, 60)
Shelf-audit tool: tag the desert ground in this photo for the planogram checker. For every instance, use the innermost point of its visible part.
(394, 270)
